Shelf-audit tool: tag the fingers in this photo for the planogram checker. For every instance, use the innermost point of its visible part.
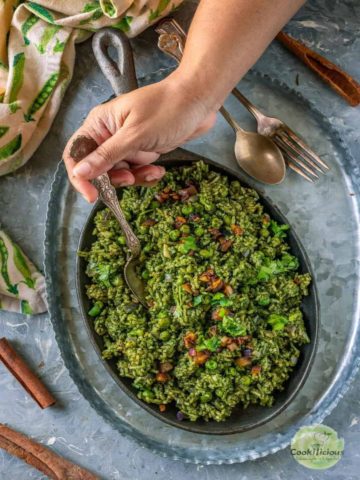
(83, 186)
(139, 158)
(143, 158)
(99, 133)
(122, 177)
(146, 176)
(112, 151)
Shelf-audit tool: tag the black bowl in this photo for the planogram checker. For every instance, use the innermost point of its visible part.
(241, 419)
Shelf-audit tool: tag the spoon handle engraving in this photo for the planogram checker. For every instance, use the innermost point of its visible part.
(83, 146)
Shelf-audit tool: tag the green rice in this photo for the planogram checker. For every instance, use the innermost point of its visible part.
(224, 325)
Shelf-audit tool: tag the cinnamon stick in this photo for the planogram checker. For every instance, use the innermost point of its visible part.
(340, 81)
(40, 457)
(24, 375)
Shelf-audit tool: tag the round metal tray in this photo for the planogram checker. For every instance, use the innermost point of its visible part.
(325, 216)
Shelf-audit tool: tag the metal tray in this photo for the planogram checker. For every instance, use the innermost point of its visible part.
(326, 218)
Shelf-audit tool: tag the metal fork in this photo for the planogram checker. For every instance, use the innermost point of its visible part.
(298, 155)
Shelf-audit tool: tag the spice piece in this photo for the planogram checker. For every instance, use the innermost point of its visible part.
(228, 290)
(190, 339)
(187, 288)
(179, 221)
(165, 367)
(186, 193)
(40, 457)
(24, 375)
(162, 377)
(225, 244)
(201, 357)
(149, 222)
(237, 230)
(243, 362)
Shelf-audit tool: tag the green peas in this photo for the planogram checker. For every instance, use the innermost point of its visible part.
(165, 335)
(96, 309)
(216, 222)
(199, 231)
(220, 392)
(136, 333)
(164, 322)
(205, 253)
(185, 228)
(145, 275)
(147, 395)
(211, 364)
(228, 220)
(122, 240)
(187, 209)
(246, 380)
(116, 281)
(263, 299)
(174, 235)
(206, 397)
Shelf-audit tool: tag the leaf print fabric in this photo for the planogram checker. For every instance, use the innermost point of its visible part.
(22, 287)
(36, 65)
(43, 34)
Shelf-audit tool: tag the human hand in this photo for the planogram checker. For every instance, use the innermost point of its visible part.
(132, 130)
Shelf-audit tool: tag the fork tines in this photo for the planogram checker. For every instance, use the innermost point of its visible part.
(299, 156)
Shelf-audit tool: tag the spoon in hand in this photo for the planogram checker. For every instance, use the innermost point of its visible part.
(83, 146)
(256, 154)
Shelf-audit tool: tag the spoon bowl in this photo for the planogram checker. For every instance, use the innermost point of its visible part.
(259, 157)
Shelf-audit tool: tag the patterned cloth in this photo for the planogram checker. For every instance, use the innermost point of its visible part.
(22, 287)
(37, 53)
(37, 59)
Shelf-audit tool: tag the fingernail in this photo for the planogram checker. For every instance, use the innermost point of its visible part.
(82, 170)
(152, 177)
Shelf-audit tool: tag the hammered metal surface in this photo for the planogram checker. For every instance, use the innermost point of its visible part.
(73, 428)
(313, 212)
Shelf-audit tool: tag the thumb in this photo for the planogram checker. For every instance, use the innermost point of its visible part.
(118, 147)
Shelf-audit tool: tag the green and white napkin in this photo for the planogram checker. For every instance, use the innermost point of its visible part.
(37, 60)
(22, 287)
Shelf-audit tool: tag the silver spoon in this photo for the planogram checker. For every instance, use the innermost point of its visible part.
(83, 146)
(256, 154)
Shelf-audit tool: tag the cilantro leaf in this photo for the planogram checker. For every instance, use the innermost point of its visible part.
(188, 245)
(277, 321)
(232, 327)
(278, 230)
(197, 300)
(211, 344)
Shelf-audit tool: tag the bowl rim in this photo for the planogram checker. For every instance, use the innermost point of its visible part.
(184, 157)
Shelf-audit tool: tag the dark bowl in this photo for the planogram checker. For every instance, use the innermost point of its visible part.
(241, 419)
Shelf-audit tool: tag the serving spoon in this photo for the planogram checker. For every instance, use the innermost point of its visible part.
(256, 154)
(83, 146)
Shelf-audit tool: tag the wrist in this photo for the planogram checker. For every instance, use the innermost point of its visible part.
(194, 87)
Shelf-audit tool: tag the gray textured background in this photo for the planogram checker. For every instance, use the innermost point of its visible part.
(330, 26)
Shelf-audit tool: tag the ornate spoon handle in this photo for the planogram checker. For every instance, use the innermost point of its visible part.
(107, 194)
(83, 146)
